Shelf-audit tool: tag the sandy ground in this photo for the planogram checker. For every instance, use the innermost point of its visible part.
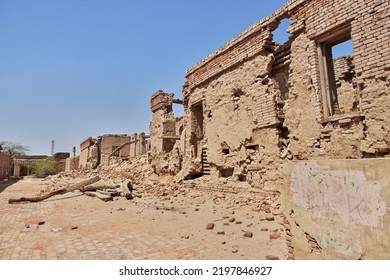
(246, 226)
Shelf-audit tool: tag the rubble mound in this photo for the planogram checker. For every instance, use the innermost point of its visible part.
(137, 171)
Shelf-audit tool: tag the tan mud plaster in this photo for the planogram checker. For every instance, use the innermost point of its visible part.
(346, 194)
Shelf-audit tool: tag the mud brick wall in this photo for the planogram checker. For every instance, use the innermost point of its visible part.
(72, 163)
(365, 133)
(369, 29)
(343, 67)
(238, 95)
(113, 141)
(5, 164)
(251, 108)
(137, 145)
(223, 59)
(129, 146)
(89, 154)
(61, 160)
(250, 89)
(164, 154)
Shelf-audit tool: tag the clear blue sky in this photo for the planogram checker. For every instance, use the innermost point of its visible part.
(72, 69)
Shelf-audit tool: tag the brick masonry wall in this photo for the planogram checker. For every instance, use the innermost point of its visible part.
(370, 29)
(243, 50)
(343, 66)
(111, 141)
(85, 152)
(214, 80)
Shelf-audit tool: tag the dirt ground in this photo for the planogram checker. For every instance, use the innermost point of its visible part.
(247, 225)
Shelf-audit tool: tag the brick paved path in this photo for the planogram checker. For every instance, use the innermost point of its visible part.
(92, 229)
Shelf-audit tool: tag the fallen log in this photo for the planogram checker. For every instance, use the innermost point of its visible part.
(99, 187)
(112, 194)
(63, 190)
(99, 195)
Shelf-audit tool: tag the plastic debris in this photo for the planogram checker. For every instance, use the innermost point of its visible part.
(56, 229)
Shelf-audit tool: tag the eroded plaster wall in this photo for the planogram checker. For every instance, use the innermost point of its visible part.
(239, 136)
(237, 95)
(341, 204)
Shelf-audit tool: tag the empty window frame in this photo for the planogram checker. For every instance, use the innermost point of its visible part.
(337, 74)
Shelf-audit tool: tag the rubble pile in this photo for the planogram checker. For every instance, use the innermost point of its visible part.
(136, 171)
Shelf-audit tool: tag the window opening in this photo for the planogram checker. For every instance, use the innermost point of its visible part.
(197, 120)
(337, 72)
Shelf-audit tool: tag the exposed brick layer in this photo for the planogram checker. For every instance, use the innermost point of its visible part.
(243, 50)
(370, 28)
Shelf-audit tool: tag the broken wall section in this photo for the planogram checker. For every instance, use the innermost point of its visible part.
(111, 147)
(72, 163)
(165, 130)
(122, 146)
(21, 163)
(239, 90)
(89, 154)
(61, 158)
(347, 116)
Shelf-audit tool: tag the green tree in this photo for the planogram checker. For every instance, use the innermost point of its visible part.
(15, 149)
(44, 167)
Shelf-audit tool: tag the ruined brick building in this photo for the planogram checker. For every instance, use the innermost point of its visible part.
(96, 151)
(254, 106)
(253, 102)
